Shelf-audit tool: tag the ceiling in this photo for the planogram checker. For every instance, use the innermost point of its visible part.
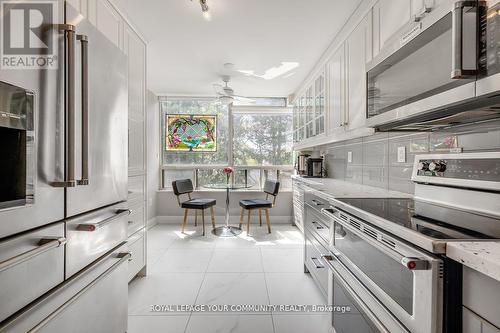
(276, 42)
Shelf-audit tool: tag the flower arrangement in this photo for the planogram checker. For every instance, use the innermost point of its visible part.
(228, 171)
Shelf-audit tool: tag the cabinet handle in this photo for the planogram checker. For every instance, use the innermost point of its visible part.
(317, 263)
(420, 16)
(318, 225)
(317, 203)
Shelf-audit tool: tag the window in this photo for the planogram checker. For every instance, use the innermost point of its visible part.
(255, 140)
(262, 138)
(199, 106)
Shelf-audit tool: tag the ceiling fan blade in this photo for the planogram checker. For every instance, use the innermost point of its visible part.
(219, 89)
(244, 99)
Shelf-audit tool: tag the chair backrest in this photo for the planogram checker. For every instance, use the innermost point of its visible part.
(182, 186)
(271, 187)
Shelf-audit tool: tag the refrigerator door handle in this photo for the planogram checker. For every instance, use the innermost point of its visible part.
(85, 109)
(69, 32)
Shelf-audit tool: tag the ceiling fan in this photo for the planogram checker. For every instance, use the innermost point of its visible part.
(225, 94)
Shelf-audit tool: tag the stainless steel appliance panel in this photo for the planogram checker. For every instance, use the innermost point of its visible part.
(92, 235)
(72, 306)
(30, 265)
(367, 315)
(48, 144)
(107, 100)
(489, 58)
(407, 76)
(407, 281)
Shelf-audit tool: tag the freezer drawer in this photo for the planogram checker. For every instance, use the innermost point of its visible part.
(137, 246)
(72, 306)
(30, 265)
(92, 235)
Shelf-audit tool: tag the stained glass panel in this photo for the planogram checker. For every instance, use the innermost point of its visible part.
(197, 133)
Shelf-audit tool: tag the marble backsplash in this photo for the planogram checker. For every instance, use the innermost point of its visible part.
(373, 160)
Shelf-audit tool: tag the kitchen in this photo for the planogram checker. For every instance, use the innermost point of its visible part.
(159, 175)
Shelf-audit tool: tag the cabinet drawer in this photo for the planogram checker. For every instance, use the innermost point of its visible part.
(315, 201)
(314, 263)
(136, 220)
(318, 225)
(30, 265)
(137, 245)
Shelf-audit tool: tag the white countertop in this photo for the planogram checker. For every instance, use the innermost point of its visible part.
(338, 188)
(483, 257)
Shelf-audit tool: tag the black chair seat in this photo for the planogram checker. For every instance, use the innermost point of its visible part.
(256, 203)
(199, 203)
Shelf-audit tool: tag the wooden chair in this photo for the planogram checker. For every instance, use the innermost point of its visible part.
(185, 186)
(271, 188)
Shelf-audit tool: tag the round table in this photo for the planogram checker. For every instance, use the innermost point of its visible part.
(227, 230)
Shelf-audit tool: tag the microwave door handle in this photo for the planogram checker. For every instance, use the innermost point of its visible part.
(85, 109)
(458, 72)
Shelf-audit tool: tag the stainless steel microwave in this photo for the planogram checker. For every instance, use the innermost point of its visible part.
(442, 70)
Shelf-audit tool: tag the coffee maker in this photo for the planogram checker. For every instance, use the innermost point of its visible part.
(314, 167)
(301, 165)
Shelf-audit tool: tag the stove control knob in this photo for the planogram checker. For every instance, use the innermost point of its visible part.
(423, 166)
(437, 167)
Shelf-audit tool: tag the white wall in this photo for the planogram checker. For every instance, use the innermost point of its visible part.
(153, 153)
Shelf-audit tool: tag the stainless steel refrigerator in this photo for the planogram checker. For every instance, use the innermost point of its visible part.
(63, 212)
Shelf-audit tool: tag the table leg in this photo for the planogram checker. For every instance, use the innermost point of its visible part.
(227, 230)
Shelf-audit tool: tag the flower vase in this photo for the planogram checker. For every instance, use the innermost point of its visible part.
(227, 178)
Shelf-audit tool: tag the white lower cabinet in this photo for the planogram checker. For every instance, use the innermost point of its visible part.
(298, 205)
(472, 323)
(137, 247)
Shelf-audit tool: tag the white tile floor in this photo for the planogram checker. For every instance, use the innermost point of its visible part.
(189, 269)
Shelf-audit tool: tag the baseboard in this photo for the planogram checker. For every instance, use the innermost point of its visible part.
(220, 219)
(152, 222)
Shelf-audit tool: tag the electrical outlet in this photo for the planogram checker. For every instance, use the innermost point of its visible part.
(402, 154)
(349, 157)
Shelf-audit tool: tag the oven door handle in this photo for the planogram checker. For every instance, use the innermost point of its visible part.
(327, 259)
(411, 263)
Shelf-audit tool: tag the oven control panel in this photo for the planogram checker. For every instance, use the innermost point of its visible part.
(478, 170)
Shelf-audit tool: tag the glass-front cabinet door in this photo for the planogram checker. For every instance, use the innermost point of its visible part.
(319, 104)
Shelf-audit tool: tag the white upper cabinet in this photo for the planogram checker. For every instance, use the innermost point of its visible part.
(358, 53)
(135, 49)
(393, 15)
(107, 20)
(336, 88)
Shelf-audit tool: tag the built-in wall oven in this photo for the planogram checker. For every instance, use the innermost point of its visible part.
(17, 149)
(442, 69)
(391, 286)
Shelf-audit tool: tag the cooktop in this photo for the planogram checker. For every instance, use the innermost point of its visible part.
(429, 219)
